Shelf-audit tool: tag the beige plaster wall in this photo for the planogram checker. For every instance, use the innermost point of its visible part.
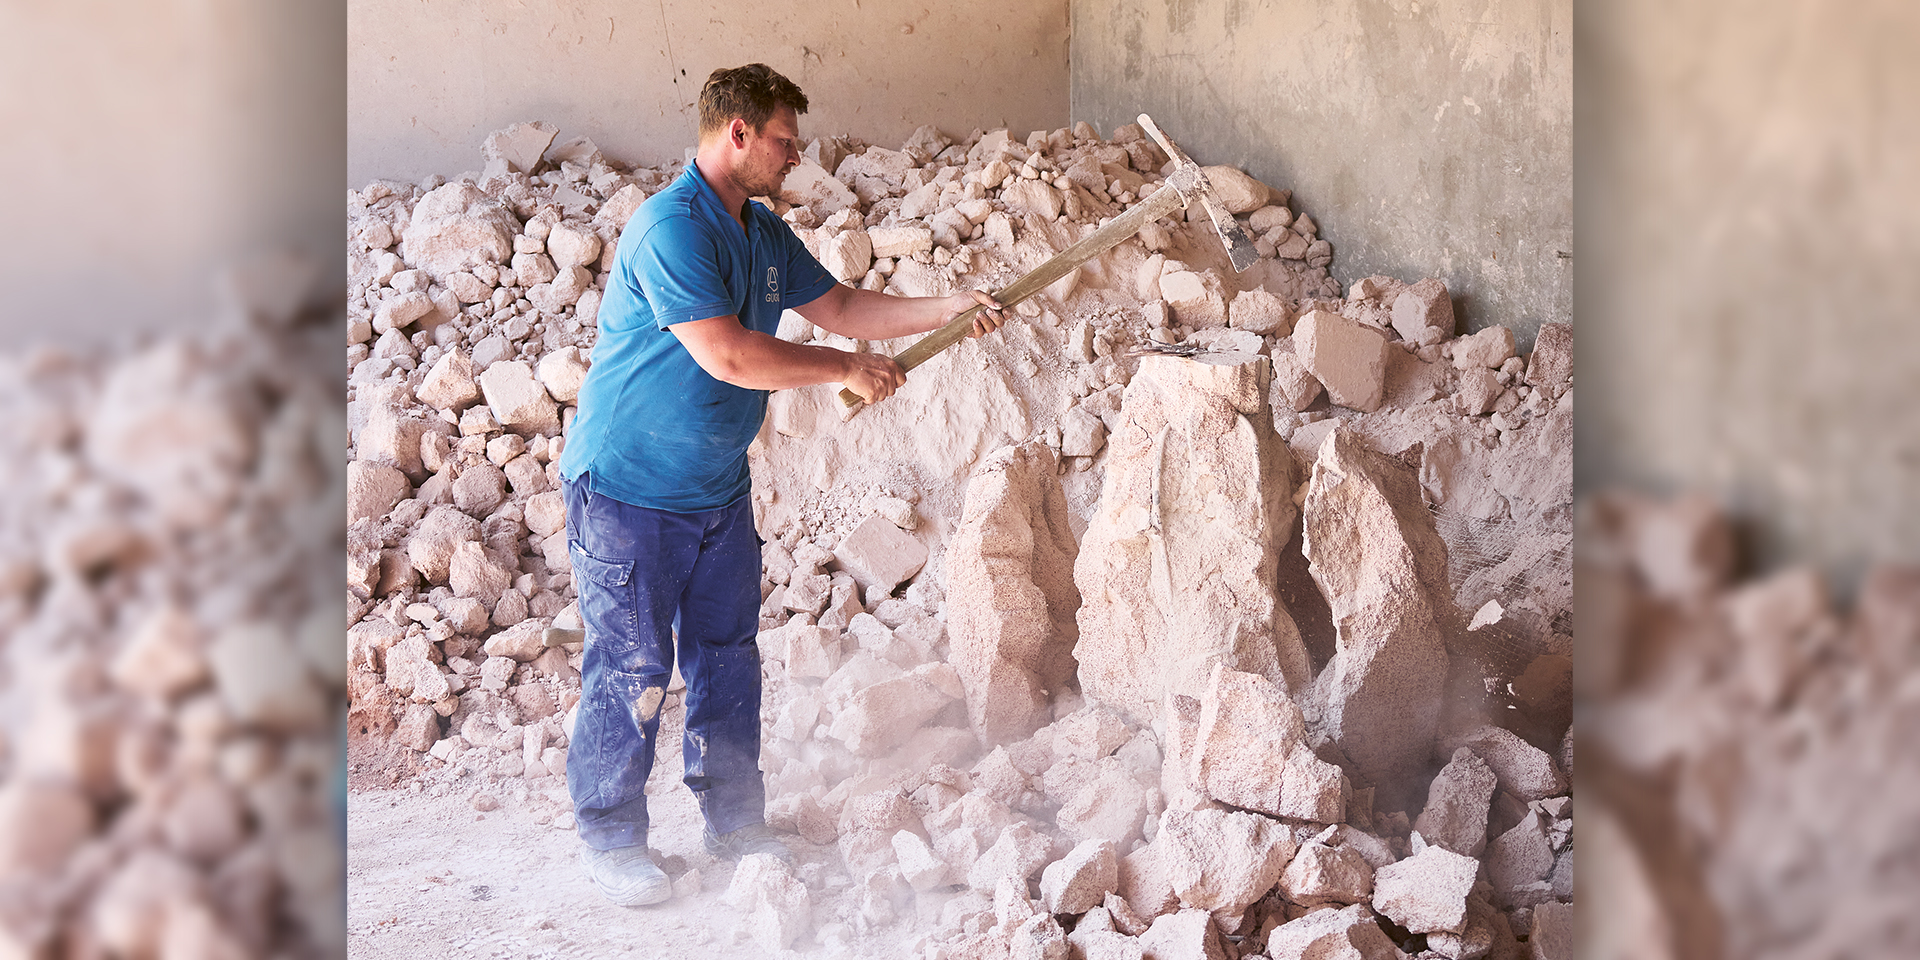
(1425, 138)
(427, 81)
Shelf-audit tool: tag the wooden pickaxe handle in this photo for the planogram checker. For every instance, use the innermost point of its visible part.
(1171, 196)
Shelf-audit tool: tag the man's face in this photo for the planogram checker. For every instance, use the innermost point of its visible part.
(769, 154)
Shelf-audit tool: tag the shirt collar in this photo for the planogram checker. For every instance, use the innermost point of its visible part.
(705, 189)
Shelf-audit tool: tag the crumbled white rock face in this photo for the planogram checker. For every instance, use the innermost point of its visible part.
(173, 673)
(953, 776)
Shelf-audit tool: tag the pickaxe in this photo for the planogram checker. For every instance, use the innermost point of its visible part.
(1183, 186)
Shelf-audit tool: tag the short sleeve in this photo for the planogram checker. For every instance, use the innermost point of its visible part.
(810, 279)
(677, 264)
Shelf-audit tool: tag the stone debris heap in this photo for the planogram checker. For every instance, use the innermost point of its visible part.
(1071, 649)
(172, 680)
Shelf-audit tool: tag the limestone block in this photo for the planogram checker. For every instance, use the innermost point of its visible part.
(1195, 298)
(532, 269)
(1010, 593)
(518, 148)
(1178, 565)
(1257, 311)
(1288, 245)
(809, 652)
(1321, 874)
(527, 475)
(572, 245)
(1251, 751)
(263, 680)
(1110, 803)
(1551, 366)
(1489, 348)
(479, 489)
(562, 372)
(491, 350)
(1235, 190)
(448, 384)
(901, 241)
(924, 871)
(518, 400)
(1015, 855)
(472, 573)
(809, 185)
(392, 437)
(848, 256)
(457, 226)
(373, 489)
(1039, 937)
(1372, 547)
(1185, 935)
(163, 658)
(1524, 770)
(523, 642)
(1348, 934)
(1348, 357)
(1518, 859)
(1082, 879)
(466, 287)
(1479, 389)
(880, 554)
(1294, 386)
(1222, 861)
(883, 715)
(1455, 816)
(563, 291)
(1427, 891)
(1551, 937)
(1268, 218)
(430, 548)
(1423, 313)
(546, 513)
(398, 312)
(773, 903)
(1031, 198)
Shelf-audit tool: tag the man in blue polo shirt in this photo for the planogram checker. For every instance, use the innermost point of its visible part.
(659, 528)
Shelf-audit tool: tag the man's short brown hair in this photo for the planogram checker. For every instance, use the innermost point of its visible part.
(752, 93)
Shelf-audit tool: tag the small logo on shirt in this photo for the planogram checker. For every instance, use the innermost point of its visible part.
(773, 284)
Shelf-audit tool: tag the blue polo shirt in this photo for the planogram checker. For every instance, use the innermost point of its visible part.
(654, 429)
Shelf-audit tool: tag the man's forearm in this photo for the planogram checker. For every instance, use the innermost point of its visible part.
(757, 361)
(872, 315)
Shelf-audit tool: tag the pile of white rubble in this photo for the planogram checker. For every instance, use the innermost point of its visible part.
(1037, 684)
(169, 543)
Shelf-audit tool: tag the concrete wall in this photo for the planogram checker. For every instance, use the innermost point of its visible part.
(427, 81)
(1747, 191)
(151, 146)
(1425, 138)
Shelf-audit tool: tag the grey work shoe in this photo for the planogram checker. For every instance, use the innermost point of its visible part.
(750, 839)
(627, 876)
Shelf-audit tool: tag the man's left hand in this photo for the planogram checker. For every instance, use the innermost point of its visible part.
(991, 314)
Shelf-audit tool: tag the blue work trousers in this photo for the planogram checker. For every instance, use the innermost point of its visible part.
(637, 572)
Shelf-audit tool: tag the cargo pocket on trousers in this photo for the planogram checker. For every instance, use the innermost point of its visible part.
(607, 573)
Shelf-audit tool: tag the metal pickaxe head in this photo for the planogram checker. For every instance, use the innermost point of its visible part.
(1193, 185)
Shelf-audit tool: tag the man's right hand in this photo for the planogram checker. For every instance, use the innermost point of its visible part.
(872, 376)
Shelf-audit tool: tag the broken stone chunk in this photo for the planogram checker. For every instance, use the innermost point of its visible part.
(1011, 597)
(1348, 934)
(562, 372)
(457, 226)
(776, 906)
(1426, 892)
(1455, 816)
(449, 384)
(901, 241)
(1235, 190)
(1423, 313)
(1348, 357)
(1222, 861)
(373, 489)
(1489, 348)
(1250, 750)
(1321, 874)
(1260, 312)
(518, 400)
(1177, 567)
(1185, 935)
(1373, 548)
(1523, 769)
(1081, 880)
(879, 554)
(1551, 366)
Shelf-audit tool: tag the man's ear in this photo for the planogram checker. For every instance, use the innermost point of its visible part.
(737, 132)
